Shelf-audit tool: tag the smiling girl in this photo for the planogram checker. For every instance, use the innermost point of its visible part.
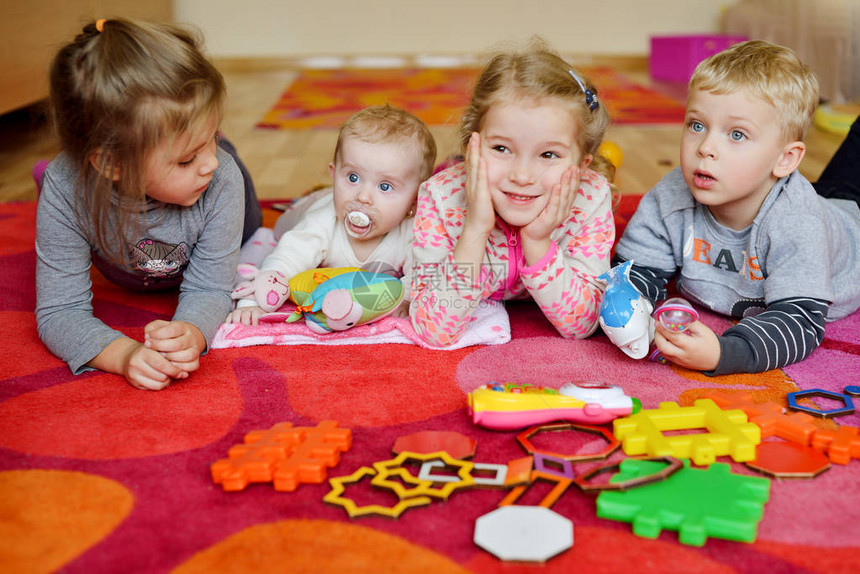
(526, 215)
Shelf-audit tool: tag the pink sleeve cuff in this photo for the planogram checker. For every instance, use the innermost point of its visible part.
(542, 263)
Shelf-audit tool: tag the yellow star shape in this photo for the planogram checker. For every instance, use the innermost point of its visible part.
(334, 497)
(394, 466)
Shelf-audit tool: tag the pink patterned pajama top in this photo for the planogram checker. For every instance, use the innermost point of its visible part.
(563, 283)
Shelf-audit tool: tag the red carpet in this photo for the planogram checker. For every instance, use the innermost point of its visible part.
(98, 477)
(324, 99)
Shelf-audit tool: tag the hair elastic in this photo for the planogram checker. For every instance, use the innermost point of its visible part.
(100, 25)
(590, 97)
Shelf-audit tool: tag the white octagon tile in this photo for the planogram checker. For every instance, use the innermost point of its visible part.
(524, 533)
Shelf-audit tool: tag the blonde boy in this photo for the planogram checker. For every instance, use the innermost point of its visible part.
(739, 227)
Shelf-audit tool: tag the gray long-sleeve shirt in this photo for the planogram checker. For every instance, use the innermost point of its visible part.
(196, 248)
(796, 266)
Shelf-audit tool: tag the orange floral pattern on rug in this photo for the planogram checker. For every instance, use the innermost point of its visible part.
(324, 99)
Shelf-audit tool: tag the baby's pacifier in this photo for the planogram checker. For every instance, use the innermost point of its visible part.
(676, 314)
(358, 218)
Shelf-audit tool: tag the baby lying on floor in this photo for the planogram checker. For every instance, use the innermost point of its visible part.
(364, 220)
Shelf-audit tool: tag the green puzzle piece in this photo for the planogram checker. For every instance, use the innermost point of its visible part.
(697, 503)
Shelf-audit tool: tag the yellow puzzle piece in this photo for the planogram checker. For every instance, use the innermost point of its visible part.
(728, 432)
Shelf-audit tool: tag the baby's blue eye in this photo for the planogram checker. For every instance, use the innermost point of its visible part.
(696, 126)
(737, 135)
(353, 178)
(385, 186)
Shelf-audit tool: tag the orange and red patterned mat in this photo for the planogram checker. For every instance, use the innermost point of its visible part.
(324, 99)
(96, 476)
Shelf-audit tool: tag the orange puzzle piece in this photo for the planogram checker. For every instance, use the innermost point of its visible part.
(284, 455)
(561, 484)
(840, 445)
(795, 427)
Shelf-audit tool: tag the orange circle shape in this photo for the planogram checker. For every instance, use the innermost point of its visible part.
(51, 517)
(294, 545)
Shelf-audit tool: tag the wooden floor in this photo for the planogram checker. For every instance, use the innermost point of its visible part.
(286, 163)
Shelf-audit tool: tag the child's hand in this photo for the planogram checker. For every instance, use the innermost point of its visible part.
(536, 235)
(557, 209)
(142, 367)
(480, 213)
(148, 370)
(245, 316)
(696, 348)
(177, 341)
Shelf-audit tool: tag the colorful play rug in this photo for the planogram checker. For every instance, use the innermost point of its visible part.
(324, 99)
(97, 477)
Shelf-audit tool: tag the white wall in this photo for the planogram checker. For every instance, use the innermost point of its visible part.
(284, 28)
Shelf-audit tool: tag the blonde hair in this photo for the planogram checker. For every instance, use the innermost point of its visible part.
(116, 92)
(378, 124)
(770, 72)
(538, 72)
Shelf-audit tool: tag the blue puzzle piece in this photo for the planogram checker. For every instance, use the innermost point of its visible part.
(847, 407)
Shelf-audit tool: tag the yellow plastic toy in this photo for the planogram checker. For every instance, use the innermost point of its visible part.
(388, 468)
(508, 406)
(835, 119)
(612, 153)
(335, 497)
(729, 433)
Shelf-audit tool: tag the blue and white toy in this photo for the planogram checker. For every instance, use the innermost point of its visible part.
(625, 314)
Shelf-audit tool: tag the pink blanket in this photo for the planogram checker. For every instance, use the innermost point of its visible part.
(490, 326)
